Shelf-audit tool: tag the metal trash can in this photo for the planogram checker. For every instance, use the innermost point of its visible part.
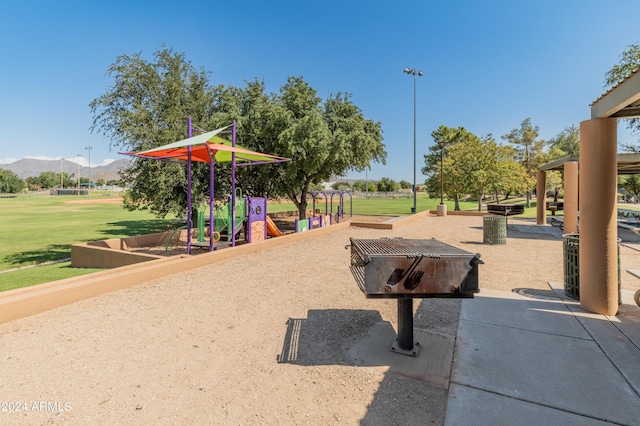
(571, 266)
(494, 229)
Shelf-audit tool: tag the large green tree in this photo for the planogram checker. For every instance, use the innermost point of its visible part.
(10, 183)
(386, 184)
(631, 183)
(528, 151)
(148, 105)
(367, 185)
(323, 139)
(486, 167)
(341, 186)
(471, 165)
(567, 142)
(509, 176)
(47, 180)
(449, 178)
(629, 63)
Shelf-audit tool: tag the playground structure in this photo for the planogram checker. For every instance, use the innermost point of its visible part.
(328, 196)
(317, 220)
(238, 213)
(250, 216)
(211, 148)
(312, 222)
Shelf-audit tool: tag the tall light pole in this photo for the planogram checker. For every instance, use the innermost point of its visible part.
(78, 182)
(89, 148)
(442, 207)
(415, 73)
(442, 174)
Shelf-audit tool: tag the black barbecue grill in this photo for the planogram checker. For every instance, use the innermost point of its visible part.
(407, 269)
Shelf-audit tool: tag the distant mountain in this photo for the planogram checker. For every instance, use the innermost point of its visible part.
(29, 167)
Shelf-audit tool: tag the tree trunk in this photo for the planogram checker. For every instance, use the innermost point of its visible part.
(528, 199)
(480, 197)
(457, 203)
(302, 203)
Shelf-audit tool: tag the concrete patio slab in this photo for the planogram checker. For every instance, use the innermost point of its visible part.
(529, 313)
(533, 352)
(468, 406)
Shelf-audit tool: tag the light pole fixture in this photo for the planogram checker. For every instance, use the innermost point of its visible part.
(89, 148)
(415, 73)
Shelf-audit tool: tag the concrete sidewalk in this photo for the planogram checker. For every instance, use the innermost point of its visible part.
(533, 360)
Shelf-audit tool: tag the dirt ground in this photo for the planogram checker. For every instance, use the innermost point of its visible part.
(258, 339)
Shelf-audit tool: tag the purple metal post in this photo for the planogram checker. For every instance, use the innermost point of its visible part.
(233, 185)
(212, 160)
(189, 133)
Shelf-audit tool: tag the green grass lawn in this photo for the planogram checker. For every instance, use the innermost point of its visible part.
(29, 276)
(39, 228)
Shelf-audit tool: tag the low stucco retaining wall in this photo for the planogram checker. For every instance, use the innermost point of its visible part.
(28, 301)
(462, 213)
(392, 223)
(115, 252)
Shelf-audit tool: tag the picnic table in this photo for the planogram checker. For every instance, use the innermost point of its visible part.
(505, 209)
(629, 214)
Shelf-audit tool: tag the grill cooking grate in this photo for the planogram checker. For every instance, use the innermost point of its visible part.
(401, 247)
(398, 267)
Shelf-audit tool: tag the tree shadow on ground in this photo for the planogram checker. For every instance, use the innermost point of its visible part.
(49, 253)
(134, 228)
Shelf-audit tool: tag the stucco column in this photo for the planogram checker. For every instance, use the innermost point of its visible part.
(541, 197)
(598, 255)
(571, 197)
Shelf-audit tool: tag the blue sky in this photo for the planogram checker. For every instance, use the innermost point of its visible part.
(487, 64)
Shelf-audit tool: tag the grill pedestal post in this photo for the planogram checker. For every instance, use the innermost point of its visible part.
(404, 343)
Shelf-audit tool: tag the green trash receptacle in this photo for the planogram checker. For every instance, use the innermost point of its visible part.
(494, 229)
(571, 266)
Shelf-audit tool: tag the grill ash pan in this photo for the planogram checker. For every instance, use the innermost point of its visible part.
(406, 268)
